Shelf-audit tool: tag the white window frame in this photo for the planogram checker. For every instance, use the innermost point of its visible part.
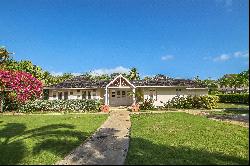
(153, 94)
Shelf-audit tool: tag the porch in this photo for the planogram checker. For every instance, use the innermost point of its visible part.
(120, 92)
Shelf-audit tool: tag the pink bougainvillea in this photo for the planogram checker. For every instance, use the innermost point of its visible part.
(24, 85)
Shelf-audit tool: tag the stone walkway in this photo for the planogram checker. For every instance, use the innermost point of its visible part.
(108, 146)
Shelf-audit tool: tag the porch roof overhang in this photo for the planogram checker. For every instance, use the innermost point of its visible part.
(120, 84)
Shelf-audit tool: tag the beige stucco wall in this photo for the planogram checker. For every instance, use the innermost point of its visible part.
(167, 93)
(76, 95)
(162, 93)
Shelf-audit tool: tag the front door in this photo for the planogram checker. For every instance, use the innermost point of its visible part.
(120, 98)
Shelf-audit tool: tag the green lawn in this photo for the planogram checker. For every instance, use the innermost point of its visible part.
(180, 138)
(232, 106)
(231, 109)
(229, 112)
(43, 139)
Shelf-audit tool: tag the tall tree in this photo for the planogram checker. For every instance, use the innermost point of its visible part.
(4, 54)
(133, 74)
(160, 77)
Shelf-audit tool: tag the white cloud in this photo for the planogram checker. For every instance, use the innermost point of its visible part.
(56, 73)
(178, 77)
(61, 73)
(76, 74)
(223, 57)
(240, 54)
(118, 69)
(167, 57)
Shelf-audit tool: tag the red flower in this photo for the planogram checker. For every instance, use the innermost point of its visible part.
(24, 85)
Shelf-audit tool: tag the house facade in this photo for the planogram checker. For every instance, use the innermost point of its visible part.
(121, 92)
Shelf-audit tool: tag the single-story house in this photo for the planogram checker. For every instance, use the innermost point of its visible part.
(121, 92)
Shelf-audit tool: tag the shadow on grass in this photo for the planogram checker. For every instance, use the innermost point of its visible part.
(145, 152)
(11, 152)
(236, 110)
(58, 139)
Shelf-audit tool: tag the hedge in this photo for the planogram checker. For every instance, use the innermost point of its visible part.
(234, 98)
(192, 102)
(61, 106)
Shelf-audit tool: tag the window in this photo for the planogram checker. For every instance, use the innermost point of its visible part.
(78, 90)
(178, 91)
(113, 93)
(94, 93)
(123, 93)
(71, 93)
(89, 94)
(60, 95)
(152, 94)
(54, 95)
(118, 94)
(84, 95)
(66, 95)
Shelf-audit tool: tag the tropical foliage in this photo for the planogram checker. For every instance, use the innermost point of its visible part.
(234, 98)
(34, 70)
(23, 85)
(4, 54)
(192, 102)
(234, 81)
(61, 106)
(18, 87)
(133, 74)
(147, 104)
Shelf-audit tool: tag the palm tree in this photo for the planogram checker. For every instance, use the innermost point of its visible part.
(133, 74)
(4, 54)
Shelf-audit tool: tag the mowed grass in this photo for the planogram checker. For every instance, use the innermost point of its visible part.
(180, 138)
(231, 109)
(43, 139)
(232, 106)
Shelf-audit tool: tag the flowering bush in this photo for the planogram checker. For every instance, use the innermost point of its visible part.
(147, 104)
(190, 102)
(23, 86)
(61, 105)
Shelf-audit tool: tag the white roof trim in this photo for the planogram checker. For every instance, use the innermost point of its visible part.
(120, 76)
(68, 88)
(168, 87)
(197, 88)
(155, 86)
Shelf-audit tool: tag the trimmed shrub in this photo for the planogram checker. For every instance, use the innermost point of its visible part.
(147, 104)
(192, 102)
(234, 98)
(60, 106)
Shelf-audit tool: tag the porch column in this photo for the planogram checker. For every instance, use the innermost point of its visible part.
(106, 96)
(134, 96)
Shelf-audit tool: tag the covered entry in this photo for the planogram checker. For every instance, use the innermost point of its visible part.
(120, 97)
(120, 92)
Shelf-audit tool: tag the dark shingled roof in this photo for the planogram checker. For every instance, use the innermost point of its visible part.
(82, 82)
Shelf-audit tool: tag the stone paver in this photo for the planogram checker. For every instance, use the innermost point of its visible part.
(108, 146)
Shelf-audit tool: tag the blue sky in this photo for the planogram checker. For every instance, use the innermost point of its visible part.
(179, 38)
